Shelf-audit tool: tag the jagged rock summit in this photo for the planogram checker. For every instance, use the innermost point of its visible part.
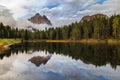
(38, 19)
(88, 18)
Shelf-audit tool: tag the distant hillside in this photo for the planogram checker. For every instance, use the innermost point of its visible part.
(97, 26)
(88, 18)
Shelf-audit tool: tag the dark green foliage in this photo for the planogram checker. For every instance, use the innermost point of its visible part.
(116, 27)
(98, 55)
(97, 28)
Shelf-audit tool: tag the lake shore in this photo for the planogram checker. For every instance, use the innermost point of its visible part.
(5, 43)
(83, 41)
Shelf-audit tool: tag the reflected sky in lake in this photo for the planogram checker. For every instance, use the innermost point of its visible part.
(58, 67)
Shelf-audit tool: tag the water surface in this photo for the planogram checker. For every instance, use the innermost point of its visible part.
(60, 61)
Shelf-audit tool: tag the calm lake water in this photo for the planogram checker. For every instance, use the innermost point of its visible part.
(60, 61)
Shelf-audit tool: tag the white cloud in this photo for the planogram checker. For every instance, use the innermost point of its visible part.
(22, 7)
(6, 16)
(66, 11)
(17, 67)
(7, 19)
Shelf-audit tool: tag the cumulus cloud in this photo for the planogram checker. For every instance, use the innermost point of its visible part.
(20, 8)
(24, 23)
(76, 9)
(59, 11)
(7, 19)
(6, 16)
(108, 7)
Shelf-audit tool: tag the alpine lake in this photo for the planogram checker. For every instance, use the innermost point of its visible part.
(60, 61)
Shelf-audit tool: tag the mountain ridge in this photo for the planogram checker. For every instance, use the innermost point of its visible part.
(38, 19)
(88, 18)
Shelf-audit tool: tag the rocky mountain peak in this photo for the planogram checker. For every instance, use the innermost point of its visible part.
(38, 19)
(37, 15)
(88, 18)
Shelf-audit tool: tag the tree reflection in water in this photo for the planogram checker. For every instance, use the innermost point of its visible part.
(98, 55)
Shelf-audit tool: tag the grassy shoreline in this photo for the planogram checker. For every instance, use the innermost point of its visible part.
(7, 42)
(83, 41)
(4, 43)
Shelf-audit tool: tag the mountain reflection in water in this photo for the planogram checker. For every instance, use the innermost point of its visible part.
(98, 55)
(38, 60)
(68, 62)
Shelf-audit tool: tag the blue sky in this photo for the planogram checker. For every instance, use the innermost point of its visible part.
(50, 6)
(59, 11)
(101, 1)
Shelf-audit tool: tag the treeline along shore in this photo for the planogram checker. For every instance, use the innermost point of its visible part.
(96, 29)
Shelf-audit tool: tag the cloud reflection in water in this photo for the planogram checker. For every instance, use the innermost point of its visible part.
(59, 67)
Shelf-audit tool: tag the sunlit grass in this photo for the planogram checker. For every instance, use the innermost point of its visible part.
(113, 41)
(84, 41)
(4, 42)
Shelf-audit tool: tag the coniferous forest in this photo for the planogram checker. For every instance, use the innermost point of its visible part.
(97, 28)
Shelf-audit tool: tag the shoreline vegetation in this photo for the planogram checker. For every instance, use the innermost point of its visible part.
(98, 27)
(5, 43)
(95, 30)
(82, 41)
